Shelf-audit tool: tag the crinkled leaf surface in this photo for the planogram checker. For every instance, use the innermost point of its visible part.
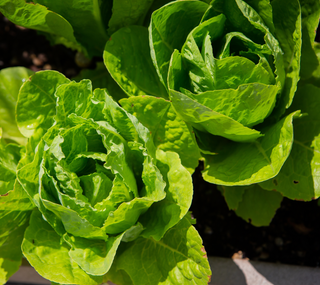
(208, 120)
(15, 210)
(287, 22)
(28, 177)
(299, 178)
(178, 258)
(11, 80)
(10, 155)
(49, 254)
(244, 164)
(164, 214)
(252, 203)
(249, 104)
(127, 57)
(101, 78)
(169, 132)
(264, 9)
(13, 225)
(95, 257)
(36, 102)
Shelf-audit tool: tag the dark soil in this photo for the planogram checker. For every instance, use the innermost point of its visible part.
(293, 236)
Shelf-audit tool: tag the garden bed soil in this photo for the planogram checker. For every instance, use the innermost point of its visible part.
(293, 236)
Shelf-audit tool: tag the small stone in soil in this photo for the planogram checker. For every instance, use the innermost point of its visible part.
(278, 241)
(208, 230)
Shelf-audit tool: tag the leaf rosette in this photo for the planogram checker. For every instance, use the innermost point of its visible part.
(95, 178)
(231, 73)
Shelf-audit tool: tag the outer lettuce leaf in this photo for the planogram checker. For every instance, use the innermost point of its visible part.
(127, 57)
(36, 102)
(252, 203)
(234, 103)
(13, 225)
(38, 17)
(15, 209)
(310, 21)
(11, 80)
(207, 120)
(93, 256)
(10, 155)
(84, 17)
(125, 15)
(299, 177)
(314, 79)
(179, 255)
(248, 163)
(169, 132)
(49, 254)
(288, 31)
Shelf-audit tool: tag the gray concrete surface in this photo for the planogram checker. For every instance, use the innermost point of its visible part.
(243, 272)
(224, 272)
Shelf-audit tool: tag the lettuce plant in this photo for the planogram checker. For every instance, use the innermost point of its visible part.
(89, 197)
(231, 71)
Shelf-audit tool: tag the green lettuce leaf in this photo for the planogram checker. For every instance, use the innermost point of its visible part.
(299, 178)
(15, 210)
(11, 80)
(49, 254)
(168, 29)
(207, 120)
(248, 163)
(163, 215)
(179, 255)
(125, 15)
(310, 21)
(10, 155)
(127, 57)
(36, 16)
(35, 107)
(252, 203)
(101, 78)
(169, 132)
(288, 31)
